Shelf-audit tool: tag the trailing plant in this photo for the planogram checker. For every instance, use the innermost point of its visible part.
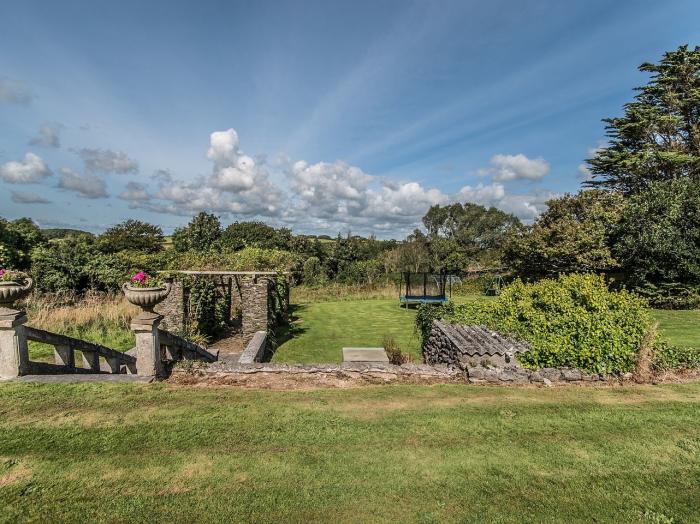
(208, 308)
(669, 358)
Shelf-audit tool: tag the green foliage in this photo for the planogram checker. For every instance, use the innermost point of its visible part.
(314, 273)
(131, 235)
(462, 234)
(573, 235)
(59, 233)
(248, 259)
(17, 239)
(76, 264)
(572, 321)
(659, 242)
(670, 358)
(201, 234)
(208, 308)
(658, 138)
(255, 234)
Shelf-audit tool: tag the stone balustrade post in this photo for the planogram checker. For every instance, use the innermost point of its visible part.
(148, 360)
(14, 353)
(64, 356)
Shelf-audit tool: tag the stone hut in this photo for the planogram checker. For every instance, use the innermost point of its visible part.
(471, 346)
(253, 295)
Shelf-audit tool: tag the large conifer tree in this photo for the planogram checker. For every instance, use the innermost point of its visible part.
(658, 138)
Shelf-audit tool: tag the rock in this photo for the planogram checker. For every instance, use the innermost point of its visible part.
(571, 375)
(547, 383)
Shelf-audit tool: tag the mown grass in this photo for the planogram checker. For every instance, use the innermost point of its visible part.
(135, 453)
(322, 329)
(680, 328)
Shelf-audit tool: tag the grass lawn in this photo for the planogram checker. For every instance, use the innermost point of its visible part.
(681, 328)
(139, 453)
(324, 328)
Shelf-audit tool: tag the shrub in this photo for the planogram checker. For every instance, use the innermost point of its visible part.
(668, 358)
(573, 321)
(394, 352)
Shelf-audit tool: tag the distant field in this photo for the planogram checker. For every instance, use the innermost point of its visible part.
(322, 329)
(140, 453)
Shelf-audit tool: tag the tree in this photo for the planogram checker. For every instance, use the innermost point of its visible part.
(17, 239)
(462, 233)
(256, 234)
(573, 235)
(659, 242)
(201, 234)
(131, 235)
(658, 138)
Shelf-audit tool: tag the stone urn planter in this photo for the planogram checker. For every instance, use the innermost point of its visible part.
(11, 291)
(146, 297)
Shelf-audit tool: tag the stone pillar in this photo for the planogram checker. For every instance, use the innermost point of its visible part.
(254, 292)
(173, 308)
(148, 361)
(14, 353)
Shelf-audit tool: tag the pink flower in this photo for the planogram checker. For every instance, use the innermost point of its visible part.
(139, 277)
(2, 272)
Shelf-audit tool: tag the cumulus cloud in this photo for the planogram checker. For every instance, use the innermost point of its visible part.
(135, 192)
(15, 92)
(331, 196)
(107, 161)
(505, 168)
(31, 170)
(86, 186)
(28, 198)
(237, 185)
(526, 207)
(49, 135)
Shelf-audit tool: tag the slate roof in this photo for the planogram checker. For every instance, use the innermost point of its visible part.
(480, 341)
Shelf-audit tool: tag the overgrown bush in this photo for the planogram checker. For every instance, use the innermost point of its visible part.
(573, 321)
(669, 358)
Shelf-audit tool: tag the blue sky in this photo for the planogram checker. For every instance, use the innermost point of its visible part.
(321, 116)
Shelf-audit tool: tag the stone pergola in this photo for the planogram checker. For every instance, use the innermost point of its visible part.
(251, 292)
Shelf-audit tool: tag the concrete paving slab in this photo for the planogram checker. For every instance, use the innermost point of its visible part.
(364, 355)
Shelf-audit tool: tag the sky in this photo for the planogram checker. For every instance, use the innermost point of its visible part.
(324, 117)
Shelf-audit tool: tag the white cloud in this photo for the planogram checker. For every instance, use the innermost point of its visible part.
(135, 192)
(28, 198)
(526, 207)
(505, 168)
(86, 186)
(329, 196)
(31, 170)
(15, 92)
(107, 161)
(49, 135)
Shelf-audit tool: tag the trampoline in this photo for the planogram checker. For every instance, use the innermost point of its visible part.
(424, 288)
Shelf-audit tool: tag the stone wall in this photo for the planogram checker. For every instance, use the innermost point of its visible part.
(290, 376)
(256, 314)
(174, 307)
(250, 294)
